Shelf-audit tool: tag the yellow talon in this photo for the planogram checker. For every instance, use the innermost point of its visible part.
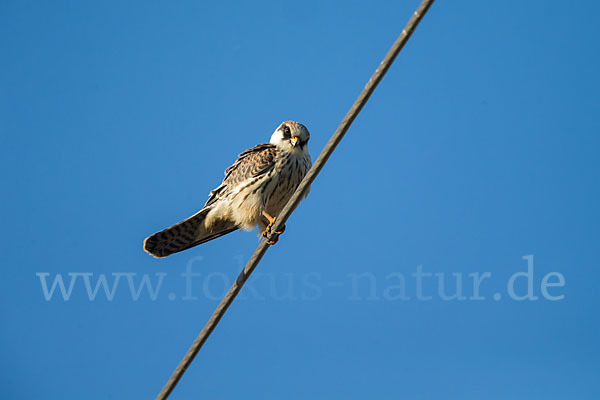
(267, 230)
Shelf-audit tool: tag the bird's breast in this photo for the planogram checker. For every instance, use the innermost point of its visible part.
(289, 172)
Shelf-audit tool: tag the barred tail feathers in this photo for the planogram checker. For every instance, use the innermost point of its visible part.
(185, 234)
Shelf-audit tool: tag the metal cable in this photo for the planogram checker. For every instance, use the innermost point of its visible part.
(297, 196)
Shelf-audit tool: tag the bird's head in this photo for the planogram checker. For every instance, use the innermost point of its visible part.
(291, 136)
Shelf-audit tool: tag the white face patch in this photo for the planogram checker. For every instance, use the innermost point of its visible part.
(291, 136)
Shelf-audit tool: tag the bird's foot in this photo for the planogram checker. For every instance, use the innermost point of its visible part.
(271, 238)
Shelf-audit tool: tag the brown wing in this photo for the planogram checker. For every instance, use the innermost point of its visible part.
(251, 163)
(192, 231)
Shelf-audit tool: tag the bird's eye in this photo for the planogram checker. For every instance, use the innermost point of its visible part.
(286, 132)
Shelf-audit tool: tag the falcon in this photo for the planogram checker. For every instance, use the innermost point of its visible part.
(255, 189)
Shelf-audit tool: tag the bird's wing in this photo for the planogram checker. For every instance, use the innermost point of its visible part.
(250, 164)
(192, 231)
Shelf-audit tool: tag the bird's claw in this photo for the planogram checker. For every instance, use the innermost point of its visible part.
(272, 238)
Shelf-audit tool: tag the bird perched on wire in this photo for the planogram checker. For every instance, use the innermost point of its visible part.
(255, 189)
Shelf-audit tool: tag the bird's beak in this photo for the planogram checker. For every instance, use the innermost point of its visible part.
(294, 140)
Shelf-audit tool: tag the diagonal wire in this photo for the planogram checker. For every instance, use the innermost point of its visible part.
(297, 196)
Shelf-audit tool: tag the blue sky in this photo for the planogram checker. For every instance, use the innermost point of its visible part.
(478, 149)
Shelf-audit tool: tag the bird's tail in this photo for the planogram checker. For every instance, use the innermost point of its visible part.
(185, 234)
